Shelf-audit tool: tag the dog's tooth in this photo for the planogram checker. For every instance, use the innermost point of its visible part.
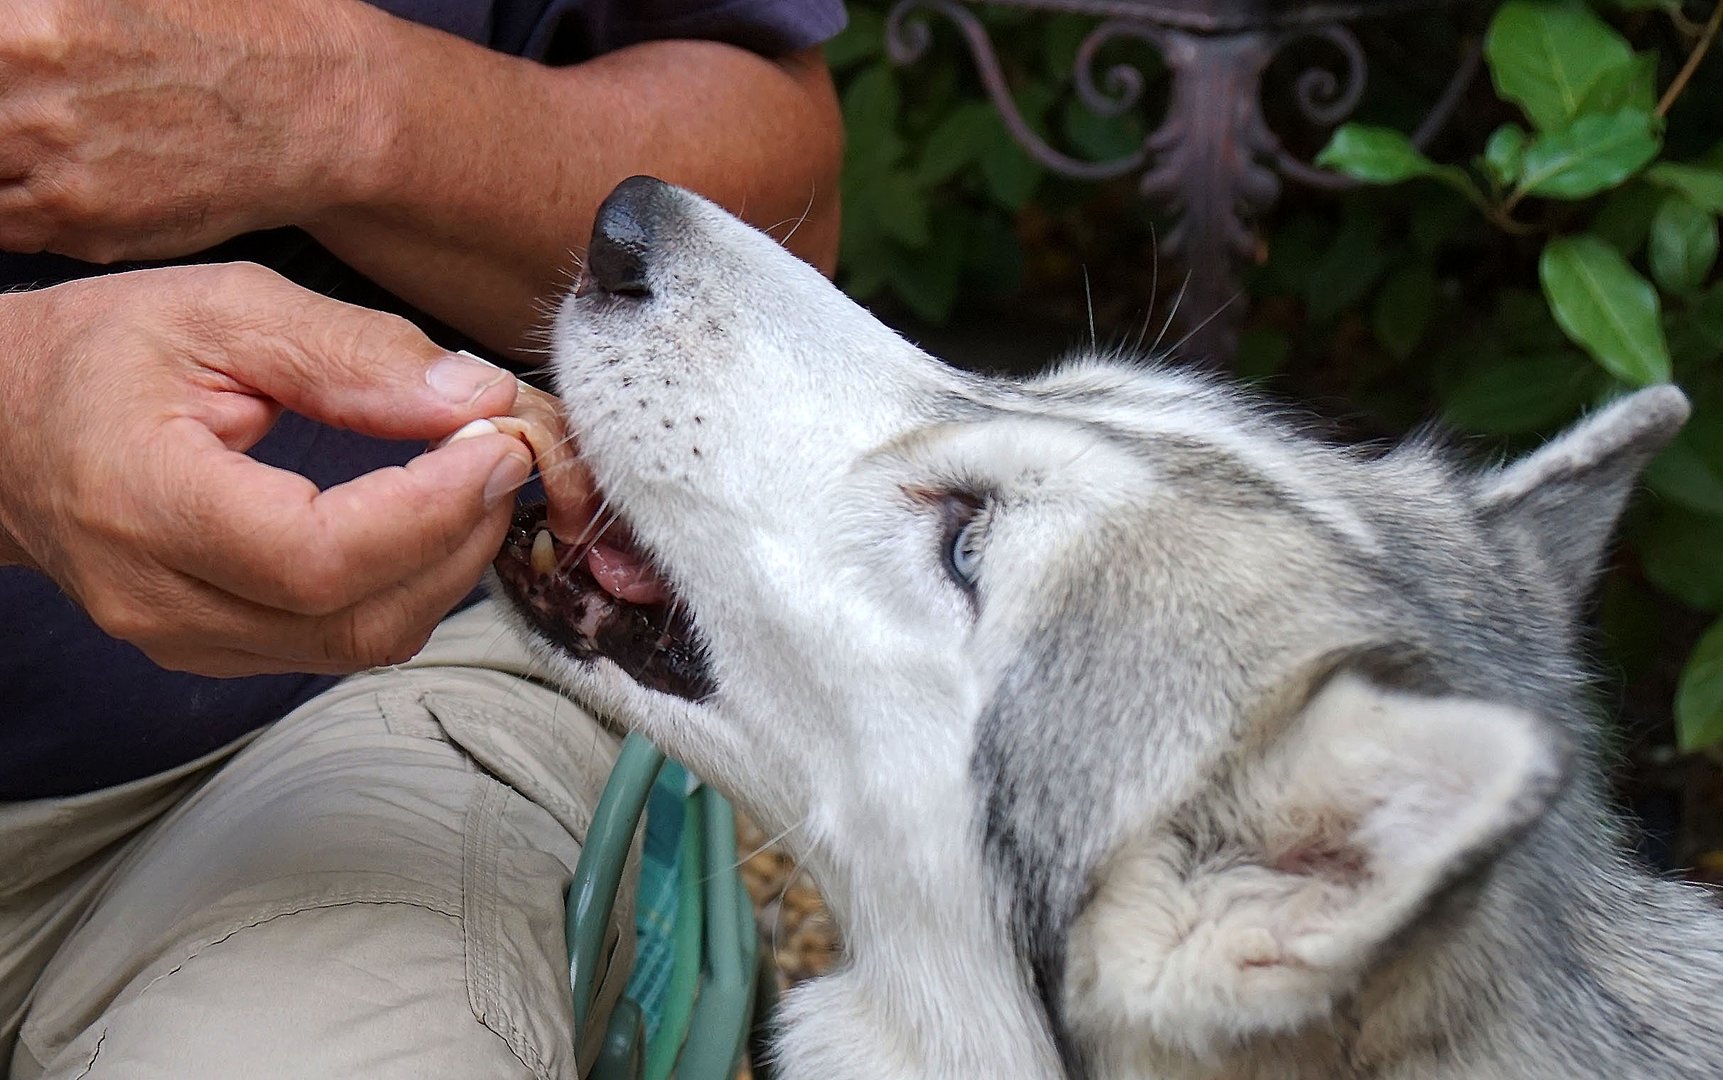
(543, 553)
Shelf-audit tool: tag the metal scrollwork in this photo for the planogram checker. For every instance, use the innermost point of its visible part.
(1322, 97)
(907, 39)
(1125, 84)
(1212, 163)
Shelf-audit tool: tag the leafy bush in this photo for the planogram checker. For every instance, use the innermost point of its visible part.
(1597, 137)
(933, 183)
(1560, 245)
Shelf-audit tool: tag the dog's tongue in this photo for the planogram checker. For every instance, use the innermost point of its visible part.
(623, 574)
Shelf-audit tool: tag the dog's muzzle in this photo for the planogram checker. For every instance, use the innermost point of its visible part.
(603, 598)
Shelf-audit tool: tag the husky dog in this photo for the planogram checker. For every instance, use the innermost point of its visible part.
(1128, 731)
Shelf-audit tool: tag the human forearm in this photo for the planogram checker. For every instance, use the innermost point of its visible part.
(489, 168)
(458, 177)
(15, 361)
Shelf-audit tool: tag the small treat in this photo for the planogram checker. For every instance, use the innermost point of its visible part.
(537, 420)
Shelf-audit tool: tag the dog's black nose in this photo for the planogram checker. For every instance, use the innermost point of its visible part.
(622, 235)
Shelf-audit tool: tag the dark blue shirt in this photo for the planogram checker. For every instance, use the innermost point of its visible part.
(80, 710)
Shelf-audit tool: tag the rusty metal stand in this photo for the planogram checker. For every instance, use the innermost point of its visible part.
(1213, 164)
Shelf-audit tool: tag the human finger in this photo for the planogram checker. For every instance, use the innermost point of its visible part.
(342, 365)
(269, 536)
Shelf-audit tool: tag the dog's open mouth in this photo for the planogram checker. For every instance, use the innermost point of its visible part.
(603, 599)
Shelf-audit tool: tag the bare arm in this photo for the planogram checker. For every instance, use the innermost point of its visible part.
(492, 166)
(460, 178)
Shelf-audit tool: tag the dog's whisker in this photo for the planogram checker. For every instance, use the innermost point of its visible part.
(1089, 302)
(1197, 329)
(577, 552)
(806, 210)
(1154, 350)
(593, 528)
(1154, 286)
(583, 550)
(739, 863)
(778, 903)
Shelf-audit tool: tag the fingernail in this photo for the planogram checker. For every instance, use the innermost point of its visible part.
(461, 378)
(507, 478)
(470, 429)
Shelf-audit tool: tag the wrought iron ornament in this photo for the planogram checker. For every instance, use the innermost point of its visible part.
(1213, 164)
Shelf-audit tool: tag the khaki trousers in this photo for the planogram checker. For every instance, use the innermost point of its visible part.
(371, 887)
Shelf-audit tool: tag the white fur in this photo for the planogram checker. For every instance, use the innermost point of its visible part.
(1260, 835)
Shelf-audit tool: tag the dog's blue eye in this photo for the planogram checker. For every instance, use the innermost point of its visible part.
(962, 531)
(965, 530)
(966, 552)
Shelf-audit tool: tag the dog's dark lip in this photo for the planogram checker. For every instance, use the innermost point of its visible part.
(654, 644)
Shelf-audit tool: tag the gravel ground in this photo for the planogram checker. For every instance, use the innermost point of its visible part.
(792, 916)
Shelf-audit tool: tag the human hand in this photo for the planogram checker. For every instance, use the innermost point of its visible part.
(139, 129)
(130, 401)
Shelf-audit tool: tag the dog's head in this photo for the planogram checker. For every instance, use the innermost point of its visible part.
(1198, 713)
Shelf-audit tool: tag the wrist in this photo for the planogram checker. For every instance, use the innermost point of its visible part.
(354, 130)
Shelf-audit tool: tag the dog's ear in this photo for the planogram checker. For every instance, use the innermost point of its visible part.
(1370, 804)
(1565, 497)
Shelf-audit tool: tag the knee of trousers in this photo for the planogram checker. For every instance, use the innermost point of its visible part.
(350, 896)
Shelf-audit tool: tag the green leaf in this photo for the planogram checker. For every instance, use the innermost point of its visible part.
(1293, 248)
(1347, 268)
(1523, 323)
(870, 105)
(1642, 90)
(1606, 308)
(901, 207)
(1683, 244)
(1597, 152)
(994, 260)
(862, 39)
(1260, 354)
(1699, 696)
(1703, 184)
(863, 247)
(1624, 217)
(1376, 155)
(1505, 153)
(1060, 40)
(927, 282)
(1435, 221)
(1549, 58)
(1705, 314)
(862, 279)
(1679, 553)
(1403, 309)
(1011, 174)
(959, 140)
(1633, 86)
(1101, 138)
(1515, 395)
(1631, 616)
(1689, 472)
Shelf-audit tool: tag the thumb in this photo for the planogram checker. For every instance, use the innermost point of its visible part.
(351, 367)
